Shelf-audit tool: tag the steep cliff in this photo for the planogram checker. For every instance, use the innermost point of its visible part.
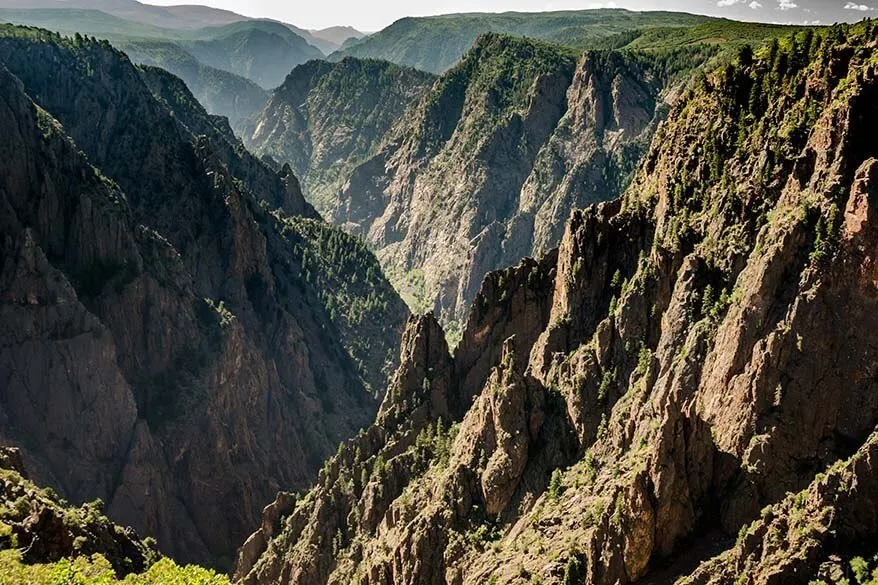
(328, 118)
(45, 529)
(486, 168)
(695, 361)
(169, 342)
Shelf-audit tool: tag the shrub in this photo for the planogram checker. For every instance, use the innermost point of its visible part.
(556, 487)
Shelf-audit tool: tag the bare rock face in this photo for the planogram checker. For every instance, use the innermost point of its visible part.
(359, 484)
(170, 340)
(451, 195)
(513, 304)
(834, 515)
(451, 178)
(512, 416)
(705, 367)
(10, 458)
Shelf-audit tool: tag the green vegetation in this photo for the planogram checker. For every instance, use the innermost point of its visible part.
(263, 51)
(723, 33)
(756, 108)
(503, 68)
(556, 486)
(433, 444)
(341, 267)
(69, 21)
(346, 110)
(858, 570)
(219, 91)
(413, 290)
(77, 546)
(436, 43)
(348, 280)
(227, 67)
(572, 572)
(96, 570)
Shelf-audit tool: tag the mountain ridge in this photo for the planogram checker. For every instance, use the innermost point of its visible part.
(327, 118)
(413, 41)
(162, 328)
(692, 363)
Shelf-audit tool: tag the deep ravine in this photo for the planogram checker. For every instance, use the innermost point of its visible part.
(175, 340)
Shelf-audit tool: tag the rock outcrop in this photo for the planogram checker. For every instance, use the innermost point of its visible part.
(46, 529)
(704, 368)
(172, 341)
(484, 166)
(328, 118)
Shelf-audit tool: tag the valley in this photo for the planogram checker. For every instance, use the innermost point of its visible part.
(489, 160)
(576, 297)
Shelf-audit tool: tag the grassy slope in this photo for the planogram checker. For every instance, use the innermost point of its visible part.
(436, 43)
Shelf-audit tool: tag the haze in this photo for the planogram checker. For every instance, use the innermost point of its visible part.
(375, 15)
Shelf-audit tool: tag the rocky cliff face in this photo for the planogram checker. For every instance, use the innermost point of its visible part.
(694, 362)
(482, 169)
(486, 169)
(327, 118)
(169, 344)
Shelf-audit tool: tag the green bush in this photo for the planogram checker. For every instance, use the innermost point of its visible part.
(96, 570)
(556, 487)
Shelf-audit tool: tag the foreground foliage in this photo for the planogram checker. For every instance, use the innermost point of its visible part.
(96, 570)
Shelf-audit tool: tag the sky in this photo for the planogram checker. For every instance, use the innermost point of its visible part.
(373, 15)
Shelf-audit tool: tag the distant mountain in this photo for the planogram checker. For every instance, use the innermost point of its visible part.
(220, 92)
(174, 17)
(85, 21)
(435, 43)
(325, 40)
(227, 67)
(338, 34)
(263, 51)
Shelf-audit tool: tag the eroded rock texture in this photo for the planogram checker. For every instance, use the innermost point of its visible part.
(704, 366)
(455, 177)
(167, 341)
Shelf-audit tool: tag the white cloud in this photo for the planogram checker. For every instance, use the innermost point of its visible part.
(724, 3)
(787, 4)
(595, 5)
(855, 6)
(755, 5)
